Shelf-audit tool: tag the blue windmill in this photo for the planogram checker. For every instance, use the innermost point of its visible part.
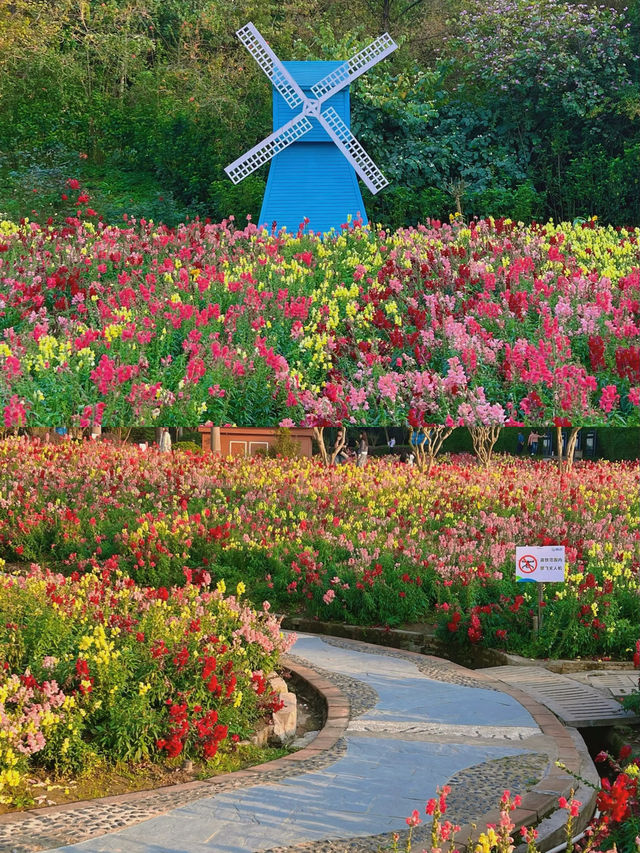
(315, 156)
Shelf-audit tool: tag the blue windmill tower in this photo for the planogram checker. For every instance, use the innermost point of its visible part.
(315, 156)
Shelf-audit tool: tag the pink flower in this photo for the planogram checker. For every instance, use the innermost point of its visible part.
(388, 386)
(415, 819)
(609, 398)
(15, 413)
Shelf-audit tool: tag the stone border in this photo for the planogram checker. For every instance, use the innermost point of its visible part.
(561, 666)
(336, 722)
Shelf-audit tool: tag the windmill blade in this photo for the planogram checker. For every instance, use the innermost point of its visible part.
(268, 148)
(352, 150)
(271, 65)
(354, 67)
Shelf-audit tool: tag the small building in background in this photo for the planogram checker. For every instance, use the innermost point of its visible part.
(252, 441)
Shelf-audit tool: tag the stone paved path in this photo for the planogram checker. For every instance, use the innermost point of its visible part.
(420, 733)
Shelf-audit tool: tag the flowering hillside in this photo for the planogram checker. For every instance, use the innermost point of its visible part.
(380, 545)
(489, 322)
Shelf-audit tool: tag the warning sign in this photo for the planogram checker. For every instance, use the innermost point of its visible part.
(528, 563)
(540, 564)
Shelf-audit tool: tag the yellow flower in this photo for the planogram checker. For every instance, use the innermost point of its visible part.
(486, 841)
(221, 587)
(11, 778)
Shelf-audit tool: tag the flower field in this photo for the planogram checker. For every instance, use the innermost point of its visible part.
(381, 545)
(97, 670)
(479, 323)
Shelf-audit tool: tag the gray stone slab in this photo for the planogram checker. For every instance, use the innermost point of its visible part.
(611, 683)
(370, 791)
(405, 694)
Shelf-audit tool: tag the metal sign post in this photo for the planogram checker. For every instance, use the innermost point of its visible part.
(540, 603)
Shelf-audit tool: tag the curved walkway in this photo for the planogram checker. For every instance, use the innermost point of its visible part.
(412, 723)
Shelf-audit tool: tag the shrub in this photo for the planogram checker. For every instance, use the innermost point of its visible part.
(96, 668)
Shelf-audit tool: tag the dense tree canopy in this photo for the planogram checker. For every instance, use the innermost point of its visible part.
(525, 108)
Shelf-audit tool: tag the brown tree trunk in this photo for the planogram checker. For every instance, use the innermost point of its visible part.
(386, 14)
(341, 442)
(427, 450)
(559, 444)
(484, 439)
(571, 446)
(318, 434)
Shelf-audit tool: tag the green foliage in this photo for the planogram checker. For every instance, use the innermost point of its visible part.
(616, 443)
(632, 702)
(285, 445)
(187, 445)
(514, 109)
(556, 78)
(237, 200)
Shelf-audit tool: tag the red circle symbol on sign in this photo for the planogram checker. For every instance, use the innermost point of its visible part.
(527, 564)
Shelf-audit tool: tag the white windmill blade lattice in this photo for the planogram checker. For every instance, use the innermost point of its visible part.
(271, 65)
(352, 150)
(354, 67)
(268, 148)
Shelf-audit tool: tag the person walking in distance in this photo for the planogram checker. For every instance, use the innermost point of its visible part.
(363, 450)
(339, 454)
(164, 444)
(534, 437)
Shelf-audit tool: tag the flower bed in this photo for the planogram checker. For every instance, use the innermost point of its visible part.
(487, 323)
(614, 827)
(381, 545)
(97, 671)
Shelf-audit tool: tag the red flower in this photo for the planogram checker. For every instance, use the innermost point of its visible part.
(625, 752)
(213, 686)
(453, 624)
